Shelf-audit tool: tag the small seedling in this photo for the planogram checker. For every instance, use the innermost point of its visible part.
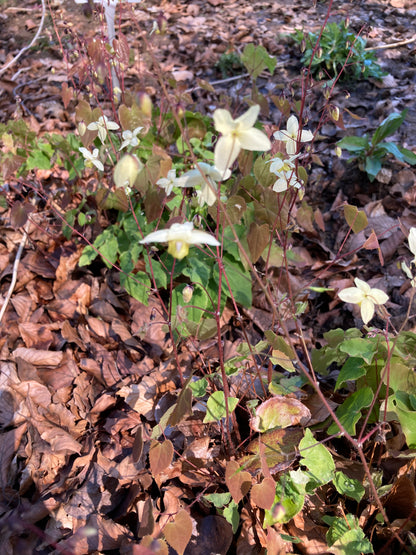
(229, 64)
(371, 152)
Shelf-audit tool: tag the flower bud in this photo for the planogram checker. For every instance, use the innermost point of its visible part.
(334, 111)
(338, 151)
(145, 104)
(82, 128)
(126, 170)
(187, 293)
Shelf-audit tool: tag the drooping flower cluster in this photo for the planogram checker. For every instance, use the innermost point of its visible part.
(285, 172)
(285, 169)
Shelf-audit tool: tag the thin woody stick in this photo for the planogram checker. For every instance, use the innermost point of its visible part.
(15, 268)
(393, 45)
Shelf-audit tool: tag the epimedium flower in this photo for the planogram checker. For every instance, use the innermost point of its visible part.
(130, 137)
(412, 246)
(237, 134)
(180, 237)
(291, 135)
(206, 177)
(285, 180)
(365, 296)
(91, 158)
(102, 126)
(285, 172)
(171, 181)
(412, 243)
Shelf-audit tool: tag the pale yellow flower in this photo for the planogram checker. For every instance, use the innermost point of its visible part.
(130, 138)
(412, 246)
(171, 181)
(206, 177)
(102, 125)
(91, 158)
(237, 134)
(366, 297)
(291, 135)
(180, 237)
(412, 242)
(286, 174)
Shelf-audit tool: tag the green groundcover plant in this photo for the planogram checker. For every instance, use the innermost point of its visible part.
(339, 52)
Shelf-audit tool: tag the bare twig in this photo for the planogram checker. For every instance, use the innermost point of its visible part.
(35, 38)
(392, 45)
(15, 268)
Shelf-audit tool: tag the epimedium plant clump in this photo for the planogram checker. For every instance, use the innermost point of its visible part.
(200, 201)
(201, 207)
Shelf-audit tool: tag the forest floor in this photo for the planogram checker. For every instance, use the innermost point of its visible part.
(75, 349)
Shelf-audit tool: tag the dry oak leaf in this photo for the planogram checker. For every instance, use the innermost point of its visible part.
(60, 441)
(38, 357)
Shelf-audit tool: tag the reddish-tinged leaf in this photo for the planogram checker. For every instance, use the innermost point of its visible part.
(67, 94)
(279, 412)
(372, 243)
(182, 408)
(319, 220)
(160, 456)
(263, 494)
(179, 532)
(237, 480)
(258, 238)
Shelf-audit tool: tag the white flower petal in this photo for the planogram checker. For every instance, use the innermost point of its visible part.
(378, 296)
(306, 136)
(292, 126)
(203, 238)
(159, 236)
(249, 118)
(226, 152)
(367, 310)
(351, 295)
(223, 122)
(362, 285)
(280, 185)
(291, 146)
(412, 241)
(254, 139)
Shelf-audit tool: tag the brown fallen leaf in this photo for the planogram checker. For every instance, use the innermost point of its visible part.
(38, 357)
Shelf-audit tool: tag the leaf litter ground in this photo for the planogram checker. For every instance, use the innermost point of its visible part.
(87, 372)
